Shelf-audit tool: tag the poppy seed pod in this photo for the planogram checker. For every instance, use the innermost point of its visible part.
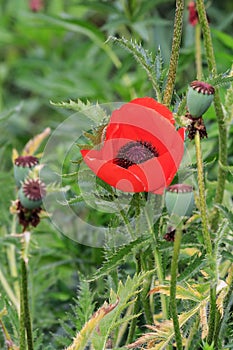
(22, 166)
(199, 98)
(31, 193)
(179, 200)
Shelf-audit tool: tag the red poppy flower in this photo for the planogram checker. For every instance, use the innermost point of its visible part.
(142, 149)
(193, 15)
(35, 5)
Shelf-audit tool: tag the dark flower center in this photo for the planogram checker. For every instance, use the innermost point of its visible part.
(135, 152)
(180, 188)
(26, 161)
(34, 189)
(202, 87)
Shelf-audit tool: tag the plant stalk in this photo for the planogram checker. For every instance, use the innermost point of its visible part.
(173, 306)
(25, 317)
(198, 58)
(159, 267)
(136, 308)
(206, 235)
(177, 33)
(218, 110)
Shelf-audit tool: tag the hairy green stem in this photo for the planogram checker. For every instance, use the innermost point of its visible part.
(198, 58)
(136, 308)
(22, 335)
(145, 290)
(177, 33)
(202, 200)
(218, 110)
(173, 306)
(25, 317)
(26, 310)
(159, 267)
(206, 235)
(220, 323)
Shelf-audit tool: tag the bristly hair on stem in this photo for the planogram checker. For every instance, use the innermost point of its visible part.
(218, 109)
(178, 24)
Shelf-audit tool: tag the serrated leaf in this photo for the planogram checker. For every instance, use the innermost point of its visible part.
(227, 214)
(83, 337)
(119, 256)
(189, 293)
(92, 111)
(163, 332)
(191, 269)
(143, 57)
(125, 293)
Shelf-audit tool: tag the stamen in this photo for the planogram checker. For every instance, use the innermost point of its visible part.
(135, 152)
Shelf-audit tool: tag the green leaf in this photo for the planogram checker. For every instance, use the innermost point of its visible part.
(227, 214)
(93, 111)
(119, 256)
(126, 294)
(191, 269)
(145, 59)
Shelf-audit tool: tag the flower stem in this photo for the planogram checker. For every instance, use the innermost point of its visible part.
(221, 322)
(173, 306)
(158, 265)
(22, 337)
(177, 33)
(25, 317)
(206, 235)
(136, 309)
(198, 51)
(145, 290)
(218, 110)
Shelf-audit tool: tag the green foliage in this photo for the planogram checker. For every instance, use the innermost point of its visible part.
(152, 65)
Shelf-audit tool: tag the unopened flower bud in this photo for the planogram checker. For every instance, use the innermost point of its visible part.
(179, 200)
(22, 166)
(199, 98)
(31, 193)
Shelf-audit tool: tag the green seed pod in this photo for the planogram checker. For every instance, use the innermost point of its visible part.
(22, 166)
(179, 200)
(199, 98)
(31, 193)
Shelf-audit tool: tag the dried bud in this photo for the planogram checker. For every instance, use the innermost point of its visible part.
(199, 98)
(179, 200)
(22, 166)
(31, 193)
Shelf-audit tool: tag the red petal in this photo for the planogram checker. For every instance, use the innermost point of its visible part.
(149, 102)
(135, 122)
(114, 175)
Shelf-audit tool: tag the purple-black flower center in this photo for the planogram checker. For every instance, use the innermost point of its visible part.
(34, 189)
(135, 152)
(202, 87)
(26, 161)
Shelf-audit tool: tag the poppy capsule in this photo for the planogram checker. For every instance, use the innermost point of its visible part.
(179, 200)
(31, 193)
(22, 166)
(199, 98)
